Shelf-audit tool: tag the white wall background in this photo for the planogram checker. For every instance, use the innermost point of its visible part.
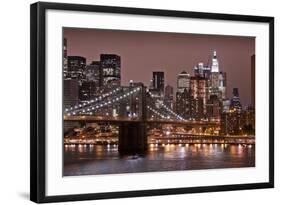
(14, 101)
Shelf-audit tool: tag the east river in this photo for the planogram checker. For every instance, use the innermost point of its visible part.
(105, 159)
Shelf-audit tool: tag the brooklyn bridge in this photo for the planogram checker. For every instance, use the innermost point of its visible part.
(133, 109)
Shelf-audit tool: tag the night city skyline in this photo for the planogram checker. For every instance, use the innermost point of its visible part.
(144, 52)
(147, 101)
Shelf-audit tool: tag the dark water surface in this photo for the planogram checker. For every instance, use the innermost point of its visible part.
(104, 159)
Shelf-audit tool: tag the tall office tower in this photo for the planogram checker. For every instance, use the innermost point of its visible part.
(197, 108)
(75, 67)
(217, 80)
(183, 82)
(214, 84)
(87, 90)
(71, 92)
(235, 101)
(213, 108)
(158, 81)
(93, 73)
(248, 119)
(215, 63)
(214, 77)
(253, 80)
(111, 70)
(168, 96)
(202, 71)
(231, 123)
(64, 58)
(198, 87)
(183, 104)
(70, 99)
(222, 85)
(157, 87)
(225, 105)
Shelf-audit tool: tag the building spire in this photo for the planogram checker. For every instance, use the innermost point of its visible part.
(215, 63)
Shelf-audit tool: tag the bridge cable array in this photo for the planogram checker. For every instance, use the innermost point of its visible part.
(97, 103)
(90, 106)
(85, 104)
(166, 108)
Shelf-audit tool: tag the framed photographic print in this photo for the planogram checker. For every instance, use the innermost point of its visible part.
(129, 102)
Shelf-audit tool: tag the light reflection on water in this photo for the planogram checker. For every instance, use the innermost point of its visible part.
(105, 159)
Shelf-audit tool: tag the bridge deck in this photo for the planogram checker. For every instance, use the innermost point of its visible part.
(119, 120)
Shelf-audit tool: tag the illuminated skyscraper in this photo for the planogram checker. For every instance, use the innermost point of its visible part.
(87, 90)
(70, 98)
(215, 63)
(93, 73)
(168, 97)
(158, 81)
(222, 85)
(198, 87)
(217, 80)
(64, 57)
(111, 70)
(202, 71)
(156, 87)
(183, 104)
(183, 82)
(76, 67)
(213, 108)
(235, 101)
(71, 92)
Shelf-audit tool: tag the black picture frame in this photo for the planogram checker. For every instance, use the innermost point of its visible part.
(38, 101)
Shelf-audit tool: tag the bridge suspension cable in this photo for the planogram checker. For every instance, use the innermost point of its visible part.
(156, 112)
(167, 108)
(171, 111)
(85, 104)
(102, 104)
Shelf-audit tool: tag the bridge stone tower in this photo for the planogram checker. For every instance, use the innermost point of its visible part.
(132, 135)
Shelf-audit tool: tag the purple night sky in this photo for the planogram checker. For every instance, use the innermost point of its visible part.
(144, 52)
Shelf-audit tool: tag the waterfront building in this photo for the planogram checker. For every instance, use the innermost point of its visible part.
(71, 98)
(235, 100)
(197, 108)
(70, 92)
(183, 103)
(213, 108)
(231, 122)
(248, 119)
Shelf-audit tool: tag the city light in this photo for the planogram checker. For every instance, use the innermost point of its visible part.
(196, 119)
